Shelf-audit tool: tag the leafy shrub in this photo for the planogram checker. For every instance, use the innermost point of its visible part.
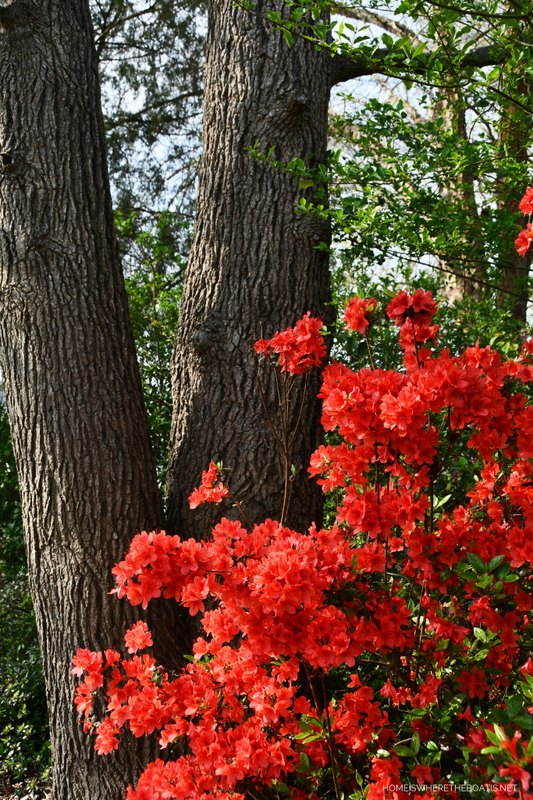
(387, 651)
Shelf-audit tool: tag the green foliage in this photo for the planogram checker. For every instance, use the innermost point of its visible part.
(12, 556)
(24, 741)
(430, 157)
(154, 283)
(24, 746)
(151, 70)
(393, 171)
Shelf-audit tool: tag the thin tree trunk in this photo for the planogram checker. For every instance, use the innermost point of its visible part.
(80, 436)
(466, 274)
(254, 268)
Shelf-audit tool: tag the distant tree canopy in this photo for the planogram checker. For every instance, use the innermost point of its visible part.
(151, 65)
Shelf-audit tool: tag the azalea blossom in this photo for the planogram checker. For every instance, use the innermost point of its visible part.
(526, 203)
(380, 637)
(358, 312)
(211, 489)
(297, 349)
(523, 240)
(138, 637)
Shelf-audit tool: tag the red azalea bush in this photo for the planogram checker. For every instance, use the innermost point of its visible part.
(386, 655)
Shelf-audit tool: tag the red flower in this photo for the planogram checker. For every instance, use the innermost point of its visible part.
(427, 692)
(523, 240)
(423, 774)
(474, 682)
(106, 738)
(419, 307)
(211, 490)
(382, 584)
(357, 311)
(527, 668)
(83, 699)
(299, 348)
(526, 203)
(86, 661)
(518, 774)
(138, 637)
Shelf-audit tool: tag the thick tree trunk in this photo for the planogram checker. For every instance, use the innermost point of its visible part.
(254, 267)
(67, 358)
(514, 139)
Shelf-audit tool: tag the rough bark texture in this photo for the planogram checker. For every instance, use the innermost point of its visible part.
(67, 358)
(514, 140)
(254, 267)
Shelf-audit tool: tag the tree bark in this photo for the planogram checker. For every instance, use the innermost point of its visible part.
(254, 268)
(80, 435)
(515, 129)
(346, 68)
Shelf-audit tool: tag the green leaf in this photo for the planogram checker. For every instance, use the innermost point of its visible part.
(274, 16)
(305, 764)
(440, 501)
(514, 705)
(495, 562)
(287, 35)
(499, 733)
(524, 721)
(476, 562)
(402, 750)
(504, 570)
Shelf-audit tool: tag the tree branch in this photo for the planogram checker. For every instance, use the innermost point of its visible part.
(345, 68)
(488, 15)
(137, 116)
(120, 21)
(373, 18)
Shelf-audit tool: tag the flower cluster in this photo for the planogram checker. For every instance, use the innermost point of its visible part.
(358, 312)
(211, 489)
(297, 349)
(390, 648)
(525, 237)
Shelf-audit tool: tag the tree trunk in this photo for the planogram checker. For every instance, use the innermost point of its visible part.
(515, 129)
(466, 274)
(80, 436)
(254, 268)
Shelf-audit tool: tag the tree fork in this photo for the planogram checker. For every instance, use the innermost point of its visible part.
(254, 267)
